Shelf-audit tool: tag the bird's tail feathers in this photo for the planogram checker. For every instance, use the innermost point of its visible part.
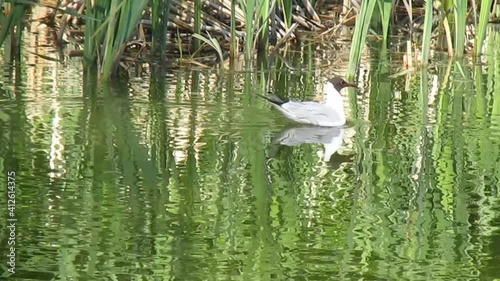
(272, 98)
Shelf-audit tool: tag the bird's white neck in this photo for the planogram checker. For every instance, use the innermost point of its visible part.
(333, 99)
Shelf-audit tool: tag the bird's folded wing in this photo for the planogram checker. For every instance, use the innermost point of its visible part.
(312, 112)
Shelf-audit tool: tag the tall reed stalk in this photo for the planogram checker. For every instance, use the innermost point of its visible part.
(11, 26)
(197, 23)
(106, 38)
(249, 8)
(233, 50)
(484, 15)
(359, 37)
(161, 10)
(257, 16)
(94, 34)
(426, 38)
(264, 26)
(123, 20)
(453, 15)
(286, 6)
(460, 7)
(385, 8)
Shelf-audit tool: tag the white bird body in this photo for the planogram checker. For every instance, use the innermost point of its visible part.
(327, 114)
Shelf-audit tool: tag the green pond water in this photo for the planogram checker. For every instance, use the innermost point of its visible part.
(180, 175)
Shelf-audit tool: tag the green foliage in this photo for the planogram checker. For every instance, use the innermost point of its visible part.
(123, 19)
(159, 18)
(197, 23)
(250, 23)
(385, 9)
(234, 48)
(93, 34)
(453, 15)
(106, 38)
(460, 23)
(257, 15)
(482, 26)
(287, 6)
(212, 42)
(265, 14)
(11, 29)
(426, 38)
(359, 37)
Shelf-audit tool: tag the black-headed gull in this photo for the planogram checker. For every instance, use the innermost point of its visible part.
(330, 113)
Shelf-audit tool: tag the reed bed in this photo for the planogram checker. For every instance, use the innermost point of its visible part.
(192, 28)
(11, 21)
(457, 27)
(210, 31)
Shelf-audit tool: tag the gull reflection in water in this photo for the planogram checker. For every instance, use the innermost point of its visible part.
(331, 138)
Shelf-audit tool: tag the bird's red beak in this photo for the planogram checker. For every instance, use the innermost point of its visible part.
(351, 85)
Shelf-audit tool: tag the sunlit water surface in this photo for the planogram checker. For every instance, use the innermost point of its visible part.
(181, 176)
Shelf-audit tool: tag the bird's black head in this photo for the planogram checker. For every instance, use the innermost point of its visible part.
(339, 83)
